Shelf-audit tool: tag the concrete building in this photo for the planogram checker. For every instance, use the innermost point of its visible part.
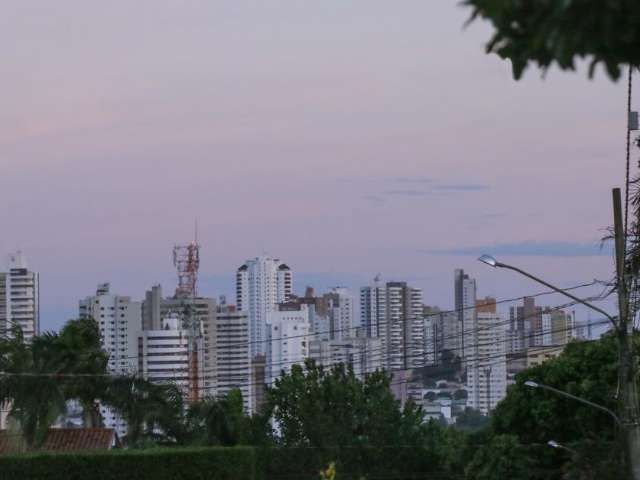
(537, 355)
(197, 315)
(261, 284)
(465, 303)
(288, 337)
(19, 298)
(557, 327)
(233, 357)
(393, 312)
(119, 320)
(331, 316)
(258, 383)
(163, 354)
(525, 326)
(361, 353)
(487, 365)
(432, 334)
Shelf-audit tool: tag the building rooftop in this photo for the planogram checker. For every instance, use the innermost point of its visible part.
(63, 439)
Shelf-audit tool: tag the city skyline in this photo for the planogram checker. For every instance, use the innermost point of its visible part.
(348, 140)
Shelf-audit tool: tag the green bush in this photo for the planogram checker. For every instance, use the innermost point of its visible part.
(216, 463)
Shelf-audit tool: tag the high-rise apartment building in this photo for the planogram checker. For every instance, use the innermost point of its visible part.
(288, 337)
(361, 353)
(163, 354)
(487, 366)
(465, 307)
(119, 320)
(393, 312)
(233, 358)
(198, 316)
(557, 327)
(19, 298)
(525, 326)
(261, 284)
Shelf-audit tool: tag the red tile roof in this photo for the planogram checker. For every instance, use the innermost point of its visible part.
(63, 439)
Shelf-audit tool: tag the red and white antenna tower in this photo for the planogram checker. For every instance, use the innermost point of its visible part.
(186, 259)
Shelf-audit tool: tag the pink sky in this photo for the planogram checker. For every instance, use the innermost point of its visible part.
(347, 138)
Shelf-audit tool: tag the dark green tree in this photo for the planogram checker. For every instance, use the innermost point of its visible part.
(547, 32)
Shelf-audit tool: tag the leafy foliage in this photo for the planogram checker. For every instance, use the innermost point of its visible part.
(545, 32)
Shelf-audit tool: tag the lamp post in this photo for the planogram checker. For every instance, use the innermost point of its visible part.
(492, 262)
(532, 384)
(554, 444)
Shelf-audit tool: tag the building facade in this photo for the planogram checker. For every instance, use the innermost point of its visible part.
(19, 298)
(233, 353)
(487, 366)
(197, 316)
(119, 320)
(465, 307)
(288, 337)
(393, 312)
(361, 353)
(261, 284)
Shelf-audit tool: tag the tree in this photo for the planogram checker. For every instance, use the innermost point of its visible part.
(151, 411)
(503, 457)
(471, 419)
(545, 32)
(534, 416)
(83, 355)
(219, 421)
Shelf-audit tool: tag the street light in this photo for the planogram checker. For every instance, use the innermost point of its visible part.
(492, 262)
(554, 444)
(532, 384)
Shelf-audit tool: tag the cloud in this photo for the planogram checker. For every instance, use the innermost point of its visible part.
(414, 180)
(408, 192)
(424, 186)
(533, 248)
(462, 187)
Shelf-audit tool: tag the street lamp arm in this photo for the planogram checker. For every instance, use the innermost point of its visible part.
(578, 399)
(559, 290)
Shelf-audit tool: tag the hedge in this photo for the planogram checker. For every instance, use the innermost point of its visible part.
(352, 463)
(214, 463)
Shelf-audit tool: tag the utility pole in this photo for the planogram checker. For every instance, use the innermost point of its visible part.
(626, 361)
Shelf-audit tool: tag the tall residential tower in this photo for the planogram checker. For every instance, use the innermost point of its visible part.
(19, 298)
(261, 284)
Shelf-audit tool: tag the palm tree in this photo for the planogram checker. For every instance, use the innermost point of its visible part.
(84, 357)
(32, 383)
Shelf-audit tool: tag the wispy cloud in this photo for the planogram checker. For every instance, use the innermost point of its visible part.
(409, 192)
(425, 186)
(462, 187)
(533, 248)
(414, 180)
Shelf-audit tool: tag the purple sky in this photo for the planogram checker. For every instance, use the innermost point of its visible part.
(347, 138)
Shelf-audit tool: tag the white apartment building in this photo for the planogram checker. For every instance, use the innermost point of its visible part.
(198, 315)
(339, 301)
(487, 366)
(373, 307)
(289, 338)
(119, 320)
(393, 312)
(261, 284)
(232, 353)
(19, 298)
(362, 354)
(465, 301)
(557, 327)
(163, 354)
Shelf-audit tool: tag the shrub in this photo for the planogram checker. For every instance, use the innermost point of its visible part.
(217, 463)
